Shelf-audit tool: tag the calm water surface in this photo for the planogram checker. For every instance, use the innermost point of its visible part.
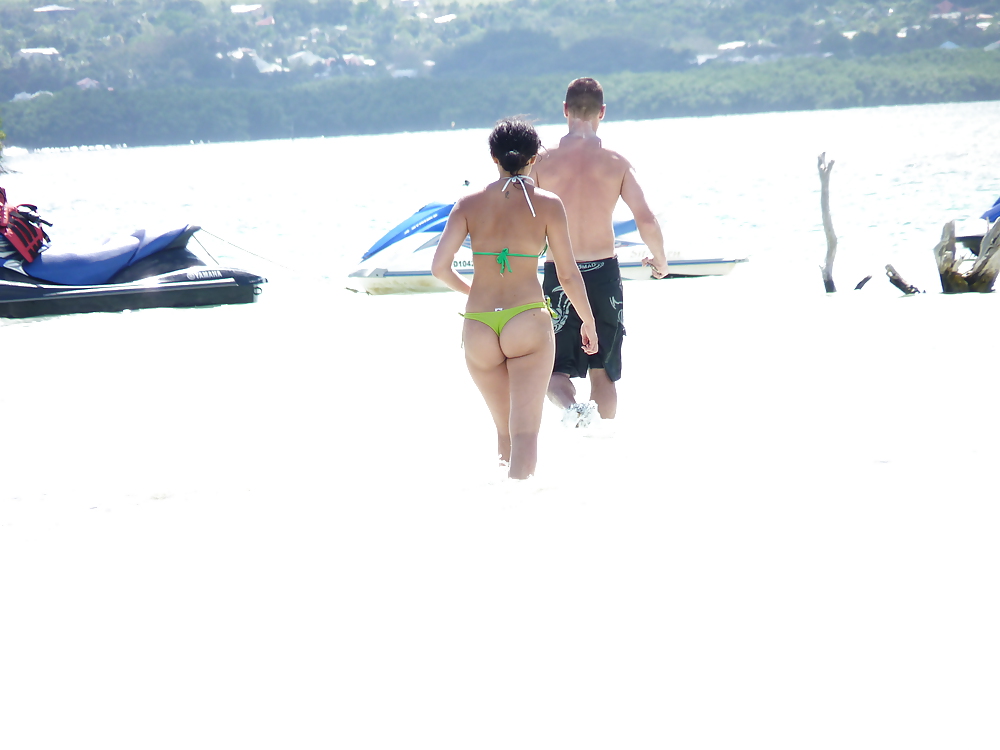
(312, 356)
(734, 185)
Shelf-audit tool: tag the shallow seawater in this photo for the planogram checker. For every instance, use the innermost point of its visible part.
(281, 524)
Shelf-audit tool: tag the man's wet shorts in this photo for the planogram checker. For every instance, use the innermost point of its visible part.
(603, 280)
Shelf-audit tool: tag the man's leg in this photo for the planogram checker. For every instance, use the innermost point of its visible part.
(561, 392)
(604, 392)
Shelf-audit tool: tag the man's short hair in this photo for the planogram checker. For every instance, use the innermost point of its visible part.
(584, 98)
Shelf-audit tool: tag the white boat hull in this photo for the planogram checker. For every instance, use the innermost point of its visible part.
(405, 268)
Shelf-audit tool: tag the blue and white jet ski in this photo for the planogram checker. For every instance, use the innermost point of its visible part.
(400, 262)
(126, 272)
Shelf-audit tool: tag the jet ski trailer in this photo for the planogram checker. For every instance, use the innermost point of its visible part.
(127, 272)
(400, 262)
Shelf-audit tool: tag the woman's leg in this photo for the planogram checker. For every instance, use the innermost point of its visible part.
(488, 367)
(529, 345)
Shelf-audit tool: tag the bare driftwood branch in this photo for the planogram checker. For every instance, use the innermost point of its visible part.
(984, 271)
(899, 282)
(831, 239)
(863, 281)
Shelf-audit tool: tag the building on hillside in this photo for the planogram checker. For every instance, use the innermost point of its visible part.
(41, 51)
(305, 58)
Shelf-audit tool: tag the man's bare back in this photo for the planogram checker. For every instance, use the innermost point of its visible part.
(588, 178)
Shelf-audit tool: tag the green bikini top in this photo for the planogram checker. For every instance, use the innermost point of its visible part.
(506, 253)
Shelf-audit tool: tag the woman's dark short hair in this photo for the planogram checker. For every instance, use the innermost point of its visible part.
(513, 142)
(584, 98)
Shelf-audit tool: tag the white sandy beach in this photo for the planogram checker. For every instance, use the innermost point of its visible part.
(789, 541)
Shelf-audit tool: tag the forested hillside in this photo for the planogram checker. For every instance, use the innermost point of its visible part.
(343, 105)
(126, 44)
(267, 60)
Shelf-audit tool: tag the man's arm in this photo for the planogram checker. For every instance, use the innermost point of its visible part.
(646, 223)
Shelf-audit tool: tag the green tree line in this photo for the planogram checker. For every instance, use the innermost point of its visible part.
(143, 117)
(126, 44)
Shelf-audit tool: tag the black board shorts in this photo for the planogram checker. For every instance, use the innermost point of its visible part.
(603, 280)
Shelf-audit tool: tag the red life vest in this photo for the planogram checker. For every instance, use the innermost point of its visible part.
(21, 226)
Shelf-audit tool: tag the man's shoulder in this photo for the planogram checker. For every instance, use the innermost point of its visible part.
(616, 157)
(583, 153)
(545, 153)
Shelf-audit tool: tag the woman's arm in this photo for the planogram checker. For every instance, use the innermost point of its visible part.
(561, 252)
(455, 232)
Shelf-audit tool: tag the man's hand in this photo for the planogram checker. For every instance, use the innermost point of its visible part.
(658, 267)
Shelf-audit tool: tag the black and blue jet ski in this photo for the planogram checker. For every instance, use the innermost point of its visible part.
(126, 272)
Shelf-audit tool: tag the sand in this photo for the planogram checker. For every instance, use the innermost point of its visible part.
(280, 526)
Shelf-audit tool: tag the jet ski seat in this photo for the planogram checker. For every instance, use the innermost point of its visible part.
(100, 264)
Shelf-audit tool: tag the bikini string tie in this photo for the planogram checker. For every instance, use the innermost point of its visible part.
(519, 179)
(502, 260)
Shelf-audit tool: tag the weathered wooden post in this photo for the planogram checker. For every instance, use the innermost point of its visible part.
(984, 271)
(952, 279)
(987, 266)
(831, 239)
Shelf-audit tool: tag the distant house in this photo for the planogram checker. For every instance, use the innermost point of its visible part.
(88, 83)
(262, 65)
(304, 58)
(44, 51)
(52, 9)
(357, 60)
(949, 45)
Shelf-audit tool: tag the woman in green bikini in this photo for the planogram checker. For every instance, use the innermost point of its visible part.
(509, 344)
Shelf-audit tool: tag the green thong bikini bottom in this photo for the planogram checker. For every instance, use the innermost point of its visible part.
(500, 317)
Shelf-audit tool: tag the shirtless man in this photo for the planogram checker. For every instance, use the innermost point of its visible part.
(590, 178)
